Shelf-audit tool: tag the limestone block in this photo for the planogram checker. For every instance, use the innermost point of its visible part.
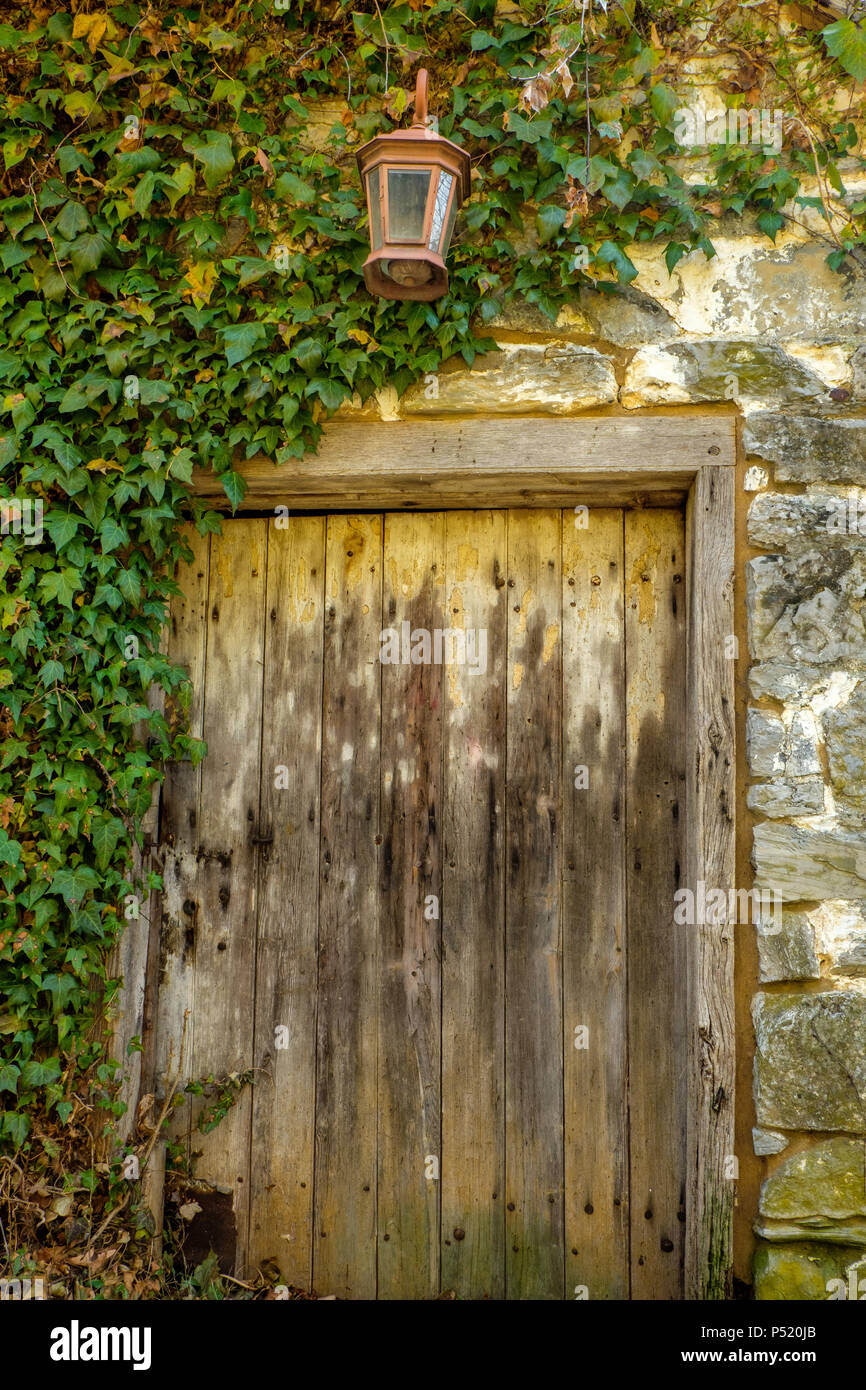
(810, 1061)
(753, 288)
(799, 1270)
(845, 735)
(719, 370)
(777, 750)
(809, 448)
(561, 379)
(778, 798)
(824, 1180)
(808, 608)
(767, 1141)
(822, 515)
(790, 953)
(805, 865)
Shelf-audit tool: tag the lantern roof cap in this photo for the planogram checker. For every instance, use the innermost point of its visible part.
(419, 142)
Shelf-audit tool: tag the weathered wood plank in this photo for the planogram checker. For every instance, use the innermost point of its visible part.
(473, 915)
(130, 1016)
(533, 952)
(409, 918)
(655, 789)
(224, 925)
(171, 961)
(711, 764)
(471, 463)
(344, 1236)
(283, 1116)
(593, 906)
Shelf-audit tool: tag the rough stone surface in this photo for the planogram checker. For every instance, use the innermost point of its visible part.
(808, 607)
(562, 379)
(764, 735)
(806, 865)
(851, 960)
(778, 799)
(789, 954)
(810, 1061)
(799, 1270)
(786, 520)
(626, 317)
(753, 288)
(766, 1142)
(775, 750)
(825, 1180)
(840, 928)
(755, 478)
(716, 371)
(845, 735)
(776, 680)
(809, 448)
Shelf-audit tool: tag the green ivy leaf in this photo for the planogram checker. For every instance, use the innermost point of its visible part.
(9, 1078)
(10, 850)
(88, 251)
(846, 41)
(105, 834)
(288, 185)
(664, 102)
(549, 221)
(240, 339)
(213, 151)
(611, 254)
(73, 220)
(61, 585)
(61, 527)
(234, 487)
(73, 885)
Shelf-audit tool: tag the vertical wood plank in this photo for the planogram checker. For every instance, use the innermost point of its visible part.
(171, 965)
(344, 1235)
(533, 1019)
(593, 910)
(131, 1013)
(222, 1042)
(283, 1116)
(655, 730)
(413, 608)
(710, 801)
(473, 915)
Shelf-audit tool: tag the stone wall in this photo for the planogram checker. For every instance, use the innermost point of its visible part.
(772, 330)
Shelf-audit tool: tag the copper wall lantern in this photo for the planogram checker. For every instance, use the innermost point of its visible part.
(415, 181)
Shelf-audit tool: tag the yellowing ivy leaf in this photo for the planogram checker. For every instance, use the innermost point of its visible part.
(94, 28)
(139, 308)
(114, 329)
(104, 466)
(79, 105)
(365, 339)
(199, 281)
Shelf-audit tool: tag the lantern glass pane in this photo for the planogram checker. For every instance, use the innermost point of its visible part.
(449, 225)
(374, 193)
(439, 209)
(407, 203)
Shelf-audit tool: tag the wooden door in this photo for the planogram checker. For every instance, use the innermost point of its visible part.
(422, 890)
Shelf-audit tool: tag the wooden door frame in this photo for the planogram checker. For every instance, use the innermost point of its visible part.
(659, 460)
